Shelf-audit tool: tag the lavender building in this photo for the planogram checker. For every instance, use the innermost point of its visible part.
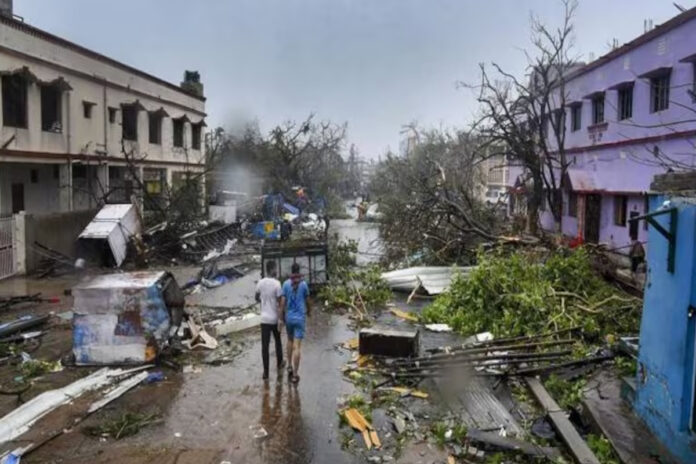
(629, 115)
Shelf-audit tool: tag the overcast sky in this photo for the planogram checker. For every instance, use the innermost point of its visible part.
(376, 64)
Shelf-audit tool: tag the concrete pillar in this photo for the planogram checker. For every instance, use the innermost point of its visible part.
(65, 187)
(20, 243)
(102, 188)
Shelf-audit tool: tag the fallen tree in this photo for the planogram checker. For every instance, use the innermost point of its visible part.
(530, 292)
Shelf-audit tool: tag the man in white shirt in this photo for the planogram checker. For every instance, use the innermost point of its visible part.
(268, 293)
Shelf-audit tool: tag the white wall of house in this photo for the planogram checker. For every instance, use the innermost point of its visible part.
(39, 186)
(97, 139)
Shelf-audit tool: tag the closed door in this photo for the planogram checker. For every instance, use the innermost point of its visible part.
(17, 198)
(593, 212)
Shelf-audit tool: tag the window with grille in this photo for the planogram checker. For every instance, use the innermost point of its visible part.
(575, 117)
(155, 123)
(598, 109)
(178, 132)
(625, 102)
(14, 101)
(129, 124)
(659, 93)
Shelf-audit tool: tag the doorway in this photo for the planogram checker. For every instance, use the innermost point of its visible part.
(593, 213)
(17, 198)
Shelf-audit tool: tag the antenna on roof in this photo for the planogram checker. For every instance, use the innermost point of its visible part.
(647, 25)
(679, 7)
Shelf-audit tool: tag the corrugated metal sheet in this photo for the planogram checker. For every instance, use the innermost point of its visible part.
(434, 280)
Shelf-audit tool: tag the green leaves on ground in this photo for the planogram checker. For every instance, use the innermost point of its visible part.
(129, 423)
(527, 292)
(359, 289)
(567, 393)
(602, 448)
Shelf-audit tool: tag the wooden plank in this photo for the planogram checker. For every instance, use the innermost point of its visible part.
(579, 449)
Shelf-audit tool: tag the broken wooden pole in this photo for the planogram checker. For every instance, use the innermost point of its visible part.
(578, 448)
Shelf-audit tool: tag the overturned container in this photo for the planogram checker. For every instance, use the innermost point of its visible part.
(105, 240)
(125, 318)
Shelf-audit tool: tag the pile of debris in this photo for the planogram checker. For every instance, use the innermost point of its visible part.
(505, 357)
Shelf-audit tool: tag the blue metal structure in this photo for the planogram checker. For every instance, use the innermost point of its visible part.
(666, 383)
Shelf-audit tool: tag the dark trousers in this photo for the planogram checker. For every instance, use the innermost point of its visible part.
(266, 331)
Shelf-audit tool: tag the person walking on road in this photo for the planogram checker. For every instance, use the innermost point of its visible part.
(296, 307)
(269, 293)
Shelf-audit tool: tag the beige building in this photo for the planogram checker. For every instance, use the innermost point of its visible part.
(77, 127)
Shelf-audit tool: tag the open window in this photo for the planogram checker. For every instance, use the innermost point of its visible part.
(14, 100)
(51, 108)
(178, 132)
(196, 134)
(155, 125)
(620, 207)
(87, 108)
(130, 122)
(575, 116)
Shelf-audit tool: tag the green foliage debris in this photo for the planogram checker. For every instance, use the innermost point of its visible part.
(567, 393)
(602, 448)
(526, 293)
(128, 424)
(35, 368)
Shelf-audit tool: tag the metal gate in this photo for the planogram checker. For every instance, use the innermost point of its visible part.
(7, 251)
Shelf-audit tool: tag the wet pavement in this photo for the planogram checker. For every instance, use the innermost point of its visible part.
(226, 412)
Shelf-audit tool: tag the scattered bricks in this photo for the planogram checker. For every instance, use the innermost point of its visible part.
(385, 342)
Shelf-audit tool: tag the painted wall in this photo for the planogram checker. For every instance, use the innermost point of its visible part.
(664, 398)
(39, 197)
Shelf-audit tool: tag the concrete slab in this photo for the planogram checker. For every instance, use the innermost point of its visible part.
(630, 438)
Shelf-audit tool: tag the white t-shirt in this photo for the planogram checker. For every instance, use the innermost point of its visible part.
(269, 290)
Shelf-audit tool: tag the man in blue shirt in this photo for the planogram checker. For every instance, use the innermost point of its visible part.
(295, 301)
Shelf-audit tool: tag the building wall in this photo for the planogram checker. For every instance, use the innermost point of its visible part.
(39, 197)
(95, 141)
(665, 380)
(620, 155)
(666, 50)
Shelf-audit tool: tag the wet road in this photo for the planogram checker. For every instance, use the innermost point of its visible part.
(217, 414)
(213, 415)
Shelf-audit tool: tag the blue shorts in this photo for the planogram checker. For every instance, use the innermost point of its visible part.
(295, 329)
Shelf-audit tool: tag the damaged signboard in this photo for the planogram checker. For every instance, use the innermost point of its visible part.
(125, 318)
(105, 239)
